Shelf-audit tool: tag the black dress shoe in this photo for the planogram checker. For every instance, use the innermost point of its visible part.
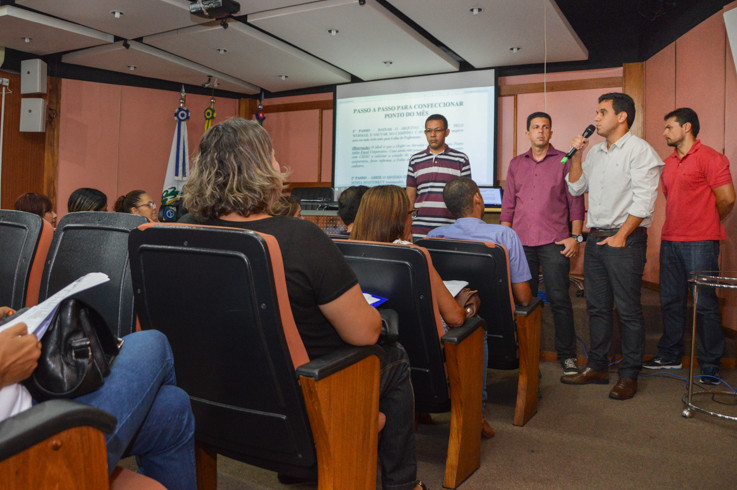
(624, 389)
(588, 376)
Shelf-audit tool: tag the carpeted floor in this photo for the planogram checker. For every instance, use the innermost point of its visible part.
(578, 439)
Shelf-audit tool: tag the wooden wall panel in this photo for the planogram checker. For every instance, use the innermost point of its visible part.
(729, 246)
(23, 153)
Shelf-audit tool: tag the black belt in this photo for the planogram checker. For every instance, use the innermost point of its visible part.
(605, 232)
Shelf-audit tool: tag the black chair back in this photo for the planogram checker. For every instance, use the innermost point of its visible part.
(95, 242)
(400, 274)
(212, 292)
(486, 268)
(20, 235)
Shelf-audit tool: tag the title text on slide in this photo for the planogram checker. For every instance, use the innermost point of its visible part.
(407, 110)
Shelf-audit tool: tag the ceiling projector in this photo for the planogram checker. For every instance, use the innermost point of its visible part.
(213, 9)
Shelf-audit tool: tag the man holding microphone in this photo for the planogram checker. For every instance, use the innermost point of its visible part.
(621, 176)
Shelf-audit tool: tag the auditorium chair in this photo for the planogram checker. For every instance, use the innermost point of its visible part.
(513, 332)
(24, 243)
(220, 296)
(92, 241)
(400, 273)
(60, 444)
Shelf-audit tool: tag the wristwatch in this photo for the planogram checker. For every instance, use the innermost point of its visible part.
(579, 238)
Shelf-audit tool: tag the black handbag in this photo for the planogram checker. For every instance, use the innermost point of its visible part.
(77, 351)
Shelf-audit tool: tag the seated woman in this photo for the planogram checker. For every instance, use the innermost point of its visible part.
(348, 203)
(87, 199)
(137, 202)
(155, 421)
(385, 216)
(235, 181)
(39, 204)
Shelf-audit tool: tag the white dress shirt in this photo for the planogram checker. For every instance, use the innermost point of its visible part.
(621, 180)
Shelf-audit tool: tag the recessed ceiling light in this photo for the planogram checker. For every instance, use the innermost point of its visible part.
(132, 67)
(515, 49)
(333, 32)
(222, 50)
(283, 77)
(388, 62)
(26, 39)
(117, 13)
(476, 10)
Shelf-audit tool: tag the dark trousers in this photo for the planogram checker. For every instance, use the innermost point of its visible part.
(397, 455)
(677, 261)
(555, 269)
(615, 275)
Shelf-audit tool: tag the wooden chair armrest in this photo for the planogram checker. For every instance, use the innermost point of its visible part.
(42, 421)
(459, 334)
(529, 309)
(338, 360)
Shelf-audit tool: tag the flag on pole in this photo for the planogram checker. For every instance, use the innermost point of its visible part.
(178, 169)
(210, 114)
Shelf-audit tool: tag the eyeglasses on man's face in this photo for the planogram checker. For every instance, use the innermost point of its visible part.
(434, 130)
(150, 204)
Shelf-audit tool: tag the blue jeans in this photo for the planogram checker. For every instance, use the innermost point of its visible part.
(555, 268)
(155, 421)
(397, 455)
(615, 275)
(677, 260)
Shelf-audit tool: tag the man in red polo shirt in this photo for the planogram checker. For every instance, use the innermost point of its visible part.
(699, 194)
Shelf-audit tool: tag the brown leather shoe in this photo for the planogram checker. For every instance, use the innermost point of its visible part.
(587, 376)
(624, 389)
(487, 431)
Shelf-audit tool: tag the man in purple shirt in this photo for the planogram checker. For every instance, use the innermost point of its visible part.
(538, 206)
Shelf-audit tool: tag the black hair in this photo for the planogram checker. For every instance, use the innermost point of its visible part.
(535, 115)
(621, 103)
(349, 201)
(124, 203)
(87, 199)
(686, 115)
(437, 117)
(458, 196)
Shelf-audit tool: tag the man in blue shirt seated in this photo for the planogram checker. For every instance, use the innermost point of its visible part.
(463, 199)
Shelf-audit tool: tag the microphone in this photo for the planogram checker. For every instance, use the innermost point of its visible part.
(586, 133)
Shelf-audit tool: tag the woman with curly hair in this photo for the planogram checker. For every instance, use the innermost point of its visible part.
(235, 181)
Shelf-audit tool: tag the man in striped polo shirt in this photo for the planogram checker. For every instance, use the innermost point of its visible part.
(429, 171)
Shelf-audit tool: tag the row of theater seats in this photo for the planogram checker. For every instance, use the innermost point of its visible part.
(220, 297)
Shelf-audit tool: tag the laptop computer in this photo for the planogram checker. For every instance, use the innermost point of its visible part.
(492, 196)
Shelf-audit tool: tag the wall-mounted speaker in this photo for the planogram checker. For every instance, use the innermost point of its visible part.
(32, 77)
(32, 115)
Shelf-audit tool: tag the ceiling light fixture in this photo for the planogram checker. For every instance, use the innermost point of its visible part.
(476, 10)
(26, 39)
(222, 50)
(388, 62)
(333, 32)
(132, 67)
(283, 77)
(117, 13)
(515, 49)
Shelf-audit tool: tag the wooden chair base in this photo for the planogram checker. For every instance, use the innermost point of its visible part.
(464, 442)
(528, 331)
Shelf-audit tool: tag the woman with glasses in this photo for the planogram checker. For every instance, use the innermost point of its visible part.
(385, 216)
(137, 202)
